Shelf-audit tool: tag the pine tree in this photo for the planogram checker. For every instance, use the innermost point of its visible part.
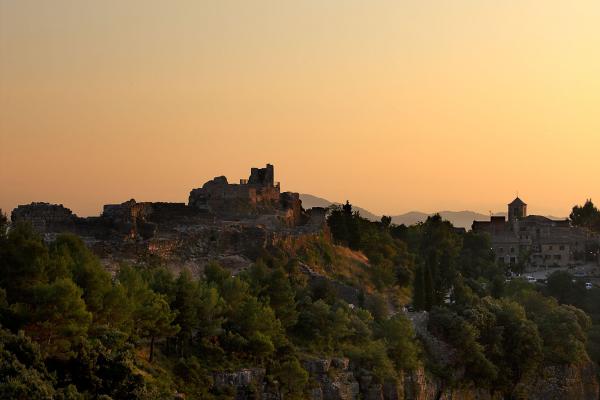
(56, 317)
(186, 303)
(281, 298)
(429, 288)
(154, 320)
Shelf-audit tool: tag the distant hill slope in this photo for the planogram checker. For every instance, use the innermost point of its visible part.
(461, 219)
(309, 201)
(458, 218)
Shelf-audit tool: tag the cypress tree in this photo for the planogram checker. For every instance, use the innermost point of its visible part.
(419, 289)
(429, 288)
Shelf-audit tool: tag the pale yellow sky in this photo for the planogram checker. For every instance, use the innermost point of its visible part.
(395, 105)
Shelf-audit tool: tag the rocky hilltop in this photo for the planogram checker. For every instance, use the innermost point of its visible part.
(228, 222)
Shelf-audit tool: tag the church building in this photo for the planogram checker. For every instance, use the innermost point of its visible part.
(535, 240)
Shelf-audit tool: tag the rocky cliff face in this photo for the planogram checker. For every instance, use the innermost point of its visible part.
(334, 379)
(562, 382)
(245, 384)
(565, 382)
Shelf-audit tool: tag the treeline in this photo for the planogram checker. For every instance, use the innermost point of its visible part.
(70, 330)
(587, 216)
(568, 290)
(502, 332)
(432, 256)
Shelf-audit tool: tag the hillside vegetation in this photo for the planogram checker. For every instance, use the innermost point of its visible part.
(70, 330)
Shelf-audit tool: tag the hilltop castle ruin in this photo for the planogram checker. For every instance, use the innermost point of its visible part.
(257, 195)
(220, 220)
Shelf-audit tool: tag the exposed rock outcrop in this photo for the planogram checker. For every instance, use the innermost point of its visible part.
(565, 382)
(332, 379)
(246, 384)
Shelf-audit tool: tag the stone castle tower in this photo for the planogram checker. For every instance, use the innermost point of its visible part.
(262, 176)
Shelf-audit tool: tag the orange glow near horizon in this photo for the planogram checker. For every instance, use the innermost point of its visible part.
(394, 105)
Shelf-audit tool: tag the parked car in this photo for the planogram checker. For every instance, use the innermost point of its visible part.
(589, 285)
(531, 279)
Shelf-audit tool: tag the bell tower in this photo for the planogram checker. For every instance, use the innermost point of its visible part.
(517, 210)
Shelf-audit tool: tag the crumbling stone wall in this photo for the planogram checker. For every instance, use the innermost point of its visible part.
(219, 196)
(317, 218)
(130, 218)
(44, 216)
(258, 195)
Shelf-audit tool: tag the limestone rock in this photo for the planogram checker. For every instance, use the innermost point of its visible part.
(565, 382)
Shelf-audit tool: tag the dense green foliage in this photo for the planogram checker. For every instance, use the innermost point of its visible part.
(501, 334)
(571, 292)
(391, 262)
(432, 255)
(71, 330)
(587, 216)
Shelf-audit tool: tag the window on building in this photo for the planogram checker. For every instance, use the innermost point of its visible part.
(512, 249)
(550, 247)
(562, 247)
(557, 257)
(501, 250)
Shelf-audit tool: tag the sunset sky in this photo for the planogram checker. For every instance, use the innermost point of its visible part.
(395, 105)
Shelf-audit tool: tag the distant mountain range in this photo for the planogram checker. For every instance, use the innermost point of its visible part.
(461, 219)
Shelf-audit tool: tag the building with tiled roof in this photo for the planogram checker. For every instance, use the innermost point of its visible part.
(535, 240)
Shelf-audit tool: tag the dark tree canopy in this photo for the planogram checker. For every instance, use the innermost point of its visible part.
(587, 216)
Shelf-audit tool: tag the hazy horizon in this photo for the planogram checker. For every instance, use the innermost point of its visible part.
(396, 106)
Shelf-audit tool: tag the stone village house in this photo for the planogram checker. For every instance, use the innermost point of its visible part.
(535, 240)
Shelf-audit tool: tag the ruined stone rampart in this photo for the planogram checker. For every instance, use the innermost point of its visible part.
(225, 222)
(44, 216)
(256, 195)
